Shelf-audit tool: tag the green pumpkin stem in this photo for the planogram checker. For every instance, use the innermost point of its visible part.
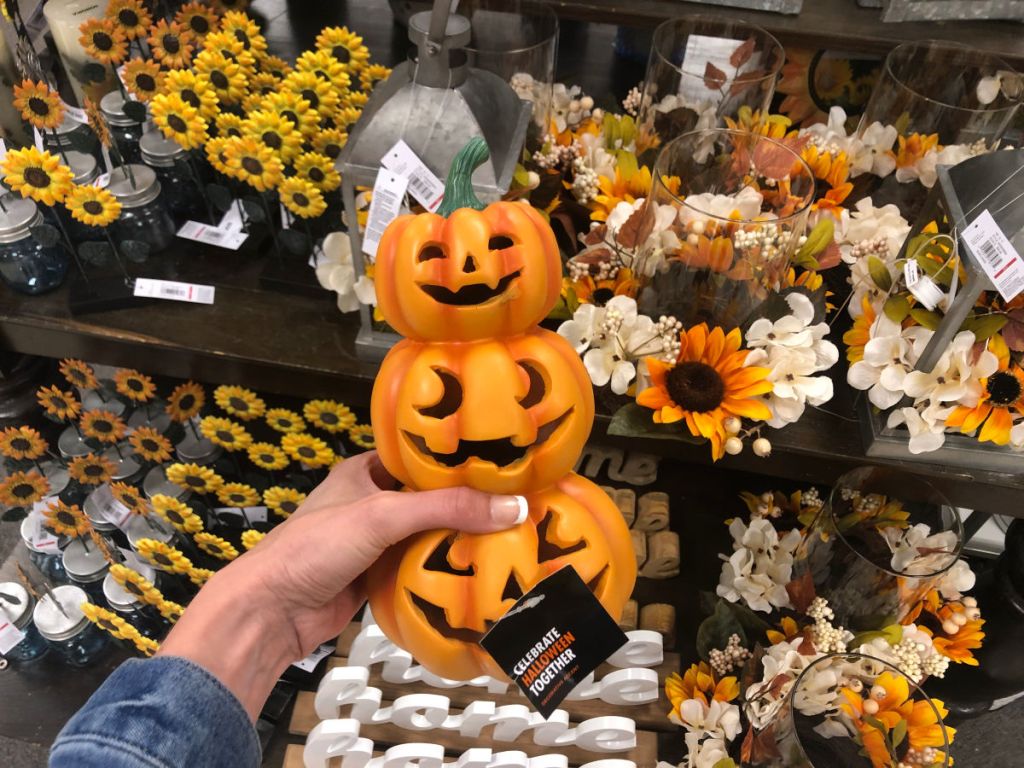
(458, 188)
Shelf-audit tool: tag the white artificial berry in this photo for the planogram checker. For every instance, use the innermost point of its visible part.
(950, 627)
(762, 447)
(870, 707)
(856, 685)
(732, 425)
(733, 445)
(969, 602)
(532, 180)
(959, 619)
(586, 103)
(692, 239)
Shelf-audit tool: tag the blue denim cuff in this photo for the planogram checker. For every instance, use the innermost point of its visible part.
(164, 712)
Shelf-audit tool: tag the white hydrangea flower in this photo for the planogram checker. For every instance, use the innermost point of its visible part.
(926, 426)
(336, 272)
(916, 551)
(956, 377)
(782, 665)
(888, 358)
(957, 580)
(747, 202)
(875, 155)
(760, 566)
(584, 327)
(868, 222)
(718, 719)
(704, 752)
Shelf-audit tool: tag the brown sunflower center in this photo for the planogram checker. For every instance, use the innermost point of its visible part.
(220, 80)
(162, 559)
(66, 518)
(177, 124)
(252, 166)
(135, 385)
(150, 446)
(238, 404)
(102, 41)
(100, 425)
(316, 174)
(134, 588)
(224, 436)
(128, 17)
(174, 516)
(284, 423)
(267, 458)
(58, 402)
(332, 150)
(695, 386)
(145, 82)
(306, 452)
(107, 624)
(212, 547)
(300, 199)
(329, 417)
(272, 139)
(238, 499)
(23, 491)
(310, 95)
(92, 207)
(341, 53)
(243, 38)
(195, 481)
(171, 44)
(21, 444)
(288, 506)
(199, 24)
(289, 115)
(93, 470)
(1003, 388)
(129, 500)
(37, 177)
(189, 97)
(39, 106)
(602, 296)
(186, 402)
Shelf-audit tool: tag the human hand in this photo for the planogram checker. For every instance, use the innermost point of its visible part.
(301, 585)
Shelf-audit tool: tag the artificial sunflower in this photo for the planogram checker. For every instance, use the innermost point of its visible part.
(93, 206)
(225, 76)
(20, 443)
(251, 538)
(330, 142)
(194, 477)
(361, 436)
(163, 556)
(356, 99)
(104, 426)
(253, 162)
(914, 147)
(37, 174)
(373, 74)
(147, 646)
(346, 117)
(61, 404)
(589, 290)
(244, 30)
(283, 502)
(318, 170)
(238, 495)
(144, 78)
(268, 456)
(177, 513)
(66, 519)
(78, 373)
(223, 6)
(215, 546)
(345, 46)
(326, 67)
(91, 469)
(199, 576)
(229, 124)
(215, 155)
(625, 186)
(699, 682)
(129, 496)
(23, 489)
(135, 583)
(131, 16)
(225, 433)
(198, 18)
(294, 108)
(260, 85)
(329, 415)
(170, 610)
(106, 620)
(171, 44)
(179, 120)
(240, 402)
(301, 198)
(97, 122)
(194, 89)
(860, 332)
(708, 383)
(137, 387)
(232, 49)
(151, 445)
(104, 41)
(311, 451)
(186, 401)
(1002, 398)
(39, 105)
(277, 132)
(320, 94)
(275, 66)
(284, 420)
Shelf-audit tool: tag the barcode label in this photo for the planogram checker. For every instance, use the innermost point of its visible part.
(41, 538)
(109, 508)
(423, 184)
(168, 289)
(388, 191)
(10, 635)
(996, 255)
(219, 236)
(76, 114)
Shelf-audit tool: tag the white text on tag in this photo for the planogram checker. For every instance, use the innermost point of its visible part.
(388, 191)
(210, 235)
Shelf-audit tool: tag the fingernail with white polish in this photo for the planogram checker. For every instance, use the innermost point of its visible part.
(509, 510)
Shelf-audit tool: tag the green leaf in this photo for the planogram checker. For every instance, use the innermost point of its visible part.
(632, 420)
(985, 326)
(220, 196)
(136, 110)
(626, 162)
(875, 723)
(715, 630)
(897, 308)
(879, 273)
(892, 635)
(899, 732)
(135, 250)
(818, 238)
(752, 623)
(45, 234)
(925, 318)
(95, 253)
(14, 514)
(521, 176)
(253, 210)
(725, 762)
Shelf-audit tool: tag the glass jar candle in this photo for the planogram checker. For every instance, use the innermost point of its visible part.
(182, 194)
(26, 265)
(130, 608)
(44, 551)
(143, 213)
(68, 632)
(86, 567)
(16, 619)
(125, 131)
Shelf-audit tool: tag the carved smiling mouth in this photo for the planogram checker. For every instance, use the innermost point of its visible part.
(500, 451)
(467, 295)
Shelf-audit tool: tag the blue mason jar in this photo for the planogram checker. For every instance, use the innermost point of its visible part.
(86, 567)
(66, 629)
(124, 131)
(25, 264)
(72, 136)
(143, 213)
(16, 610)
(47, 559)
(182, 195)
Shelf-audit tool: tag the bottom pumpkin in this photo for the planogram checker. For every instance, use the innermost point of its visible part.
(437, 593)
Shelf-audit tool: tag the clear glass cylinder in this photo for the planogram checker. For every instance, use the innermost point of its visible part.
(68, 632)
(26, 265)
(701, 70)
(48, 563)
(726, 211)
(16, 609)
(878, 546)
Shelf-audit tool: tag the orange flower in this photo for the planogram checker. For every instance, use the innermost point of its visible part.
(914, 147)
(860, 333)
(1002, 393)
(78, 373)
(699, 682)
(105, 426)
(708, 383)
(22, 443)
(600, 292)
(789, 629)
(957, 648)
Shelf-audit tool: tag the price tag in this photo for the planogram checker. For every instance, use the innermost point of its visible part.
(231, 221)
(10, 636)
(132, 560)
(388, 191)
(40, 537)
(309, 663)
(109, 508)
(38, 138)
(75, 113)
(255, 514)
(552, 638)
(996, 254)
(102, 181)
(174, 291)
(923, 287)
(205, 233)
(423, 184)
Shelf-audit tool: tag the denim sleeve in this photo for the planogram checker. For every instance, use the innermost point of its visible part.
(163, 712)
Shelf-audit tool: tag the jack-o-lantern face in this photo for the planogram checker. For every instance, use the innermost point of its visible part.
(474, 275)
(438, 592)
(503, 416)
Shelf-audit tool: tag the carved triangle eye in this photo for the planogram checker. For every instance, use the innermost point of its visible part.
(550, 550)
(440, 562)
(512, 589)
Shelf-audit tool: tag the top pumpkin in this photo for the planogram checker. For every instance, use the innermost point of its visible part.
(469, 271)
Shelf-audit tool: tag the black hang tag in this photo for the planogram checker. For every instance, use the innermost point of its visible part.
(552, 638)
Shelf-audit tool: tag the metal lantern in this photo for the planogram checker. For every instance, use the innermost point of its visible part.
(434, 102)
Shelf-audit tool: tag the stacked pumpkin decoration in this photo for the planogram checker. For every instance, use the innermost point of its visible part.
(479, 395)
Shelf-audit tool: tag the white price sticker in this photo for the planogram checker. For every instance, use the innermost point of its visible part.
(388, 191)
(38, 138)
(922, 286)
(255, 514)
(309, 663)
(77, 114)
(423, 184)
(40, 538)
(109, 508)
(102, 181)
(205, 233)
(11, 636)
(174, 291)
(996, 254)
(231, 221)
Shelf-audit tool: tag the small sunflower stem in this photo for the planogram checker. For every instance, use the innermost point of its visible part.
(118, 449)
(309, 234)
(2, 206)
(78, 431)
(117, 256)
(85, 544)
(270, 226)
(193, 170)
(39, 467)
(195, 432)
(60, 148)
(238, 465)
(72, 249)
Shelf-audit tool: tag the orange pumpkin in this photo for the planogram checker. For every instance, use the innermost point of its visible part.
(438, 592)
(469, 271)
(503, 415)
